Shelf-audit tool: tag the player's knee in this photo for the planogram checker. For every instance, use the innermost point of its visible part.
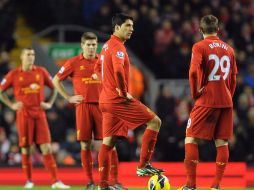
(85, 145)
(191, 140)
(46, 148)
(220, 142)
(157, 121)
(154, 124)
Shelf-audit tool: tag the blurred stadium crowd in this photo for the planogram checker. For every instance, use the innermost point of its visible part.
(164, 33)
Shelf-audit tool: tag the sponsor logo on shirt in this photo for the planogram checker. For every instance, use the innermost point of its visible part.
(34, 86)
(3, 81)
(61, 70)
(120, 54)
(31, 89)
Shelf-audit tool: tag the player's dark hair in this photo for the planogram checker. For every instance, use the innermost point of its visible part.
(209, 24)
(88, 36)
(119, 19)
(26, 48)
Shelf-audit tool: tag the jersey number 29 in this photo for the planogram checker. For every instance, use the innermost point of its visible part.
(219, 64)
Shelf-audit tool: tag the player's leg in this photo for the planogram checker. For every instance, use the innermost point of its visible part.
(84, 125)
(97, 117)
(50, 165)
(221, 161)
(25, 126)
(149, 140)
(223, 132)
(87, 162)
(104, 160)
(191, 160)
(43, 139)
(201, 125)
(27, 166)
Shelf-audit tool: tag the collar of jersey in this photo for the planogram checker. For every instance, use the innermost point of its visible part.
(116, 38)
(33, 68)
(81, 57)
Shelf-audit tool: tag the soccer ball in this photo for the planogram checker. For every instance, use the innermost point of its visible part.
(158, 182)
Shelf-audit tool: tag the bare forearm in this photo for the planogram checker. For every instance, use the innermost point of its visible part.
(52, 97)
(5, 99)
(60, 88)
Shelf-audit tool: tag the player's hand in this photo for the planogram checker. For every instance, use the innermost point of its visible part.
(17, 106)
(95, 76)
(76, 99)
(46, 105)
(200, 91)
(128, 96)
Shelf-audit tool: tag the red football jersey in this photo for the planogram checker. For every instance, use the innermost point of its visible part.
(113, 55)
(215, 64)
(28, 86)
(80, 70)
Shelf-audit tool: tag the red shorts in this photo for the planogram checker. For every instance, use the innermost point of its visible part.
(210, 123)
(32, 129)
(117, 118)
(88, 121)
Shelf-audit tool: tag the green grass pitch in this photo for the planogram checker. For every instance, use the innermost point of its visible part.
(82, 188)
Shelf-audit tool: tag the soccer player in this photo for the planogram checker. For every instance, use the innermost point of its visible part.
(88, 114)
(212, 77)
(120, 110)
(28, 83)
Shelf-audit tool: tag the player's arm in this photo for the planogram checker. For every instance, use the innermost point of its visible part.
(118, 58)
(5, 84)
(233, 77)
(196, 61)
(6, 100)
(60, 88)
(97, 69)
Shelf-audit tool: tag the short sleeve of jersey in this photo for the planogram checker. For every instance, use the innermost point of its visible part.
(7, 81)
(47, 78)
(65, 71)
(118, 55)
(196, 57)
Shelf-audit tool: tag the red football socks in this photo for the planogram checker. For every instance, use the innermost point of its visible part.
(50, 164)
(114, 166)
(148, 143)
(221, 163)
(87, 163)
(27, 166)
(104, 165)
(190, 162)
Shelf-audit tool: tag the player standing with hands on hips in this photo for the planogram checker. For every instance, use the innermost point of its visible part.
(120, 110)
(212, 78)
(28, 82)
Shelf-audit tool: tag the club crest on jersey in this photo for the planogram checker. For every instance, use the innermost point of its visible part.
(61, 70)
(120, 54)
(81, 67)
(37, 77)
(3, 81)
